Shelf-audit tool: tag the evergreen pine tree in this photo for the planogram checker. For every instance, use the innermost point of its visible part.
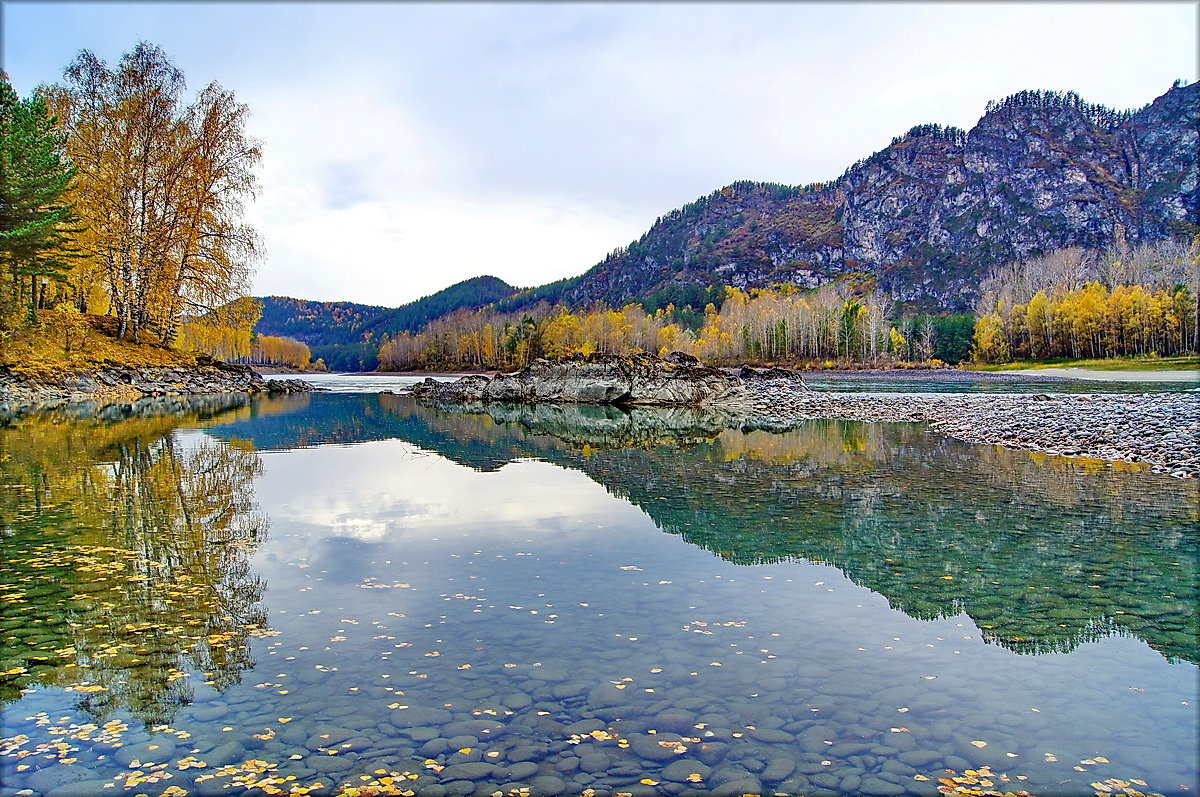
(34, 218)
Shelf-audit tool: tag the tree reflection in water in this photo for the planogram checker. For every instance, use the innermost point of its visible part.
(124, 554)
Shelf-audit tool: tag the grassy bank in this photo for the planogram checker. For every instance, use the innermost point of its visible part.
(1189, 362)
(58, 345)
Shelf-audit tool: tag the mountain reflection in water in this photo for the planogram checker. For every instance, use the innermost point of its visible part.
(1042, 552)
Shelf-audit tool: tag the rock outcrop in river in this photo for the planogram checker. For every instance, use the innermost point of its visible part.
(128, 383)
(676, 380)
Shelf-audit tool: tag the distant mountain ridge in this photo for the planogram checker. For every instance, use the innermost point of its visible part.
(347, 335)
(928, 215)
(923, 219)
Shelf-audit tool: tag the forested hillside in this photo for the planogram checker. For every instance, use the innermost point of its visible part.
(347, 336)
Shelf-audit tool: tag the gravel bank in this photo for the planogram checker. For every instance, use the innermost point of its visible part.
(1162, 429)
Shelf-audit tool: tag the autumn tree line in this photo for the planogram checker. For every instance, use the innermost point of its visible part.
(783, 323)
(1071, 303)
(226, 333)
(1075, 303)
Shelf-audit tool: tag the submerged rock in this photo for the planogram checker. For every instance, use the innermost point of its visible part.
(678, 379)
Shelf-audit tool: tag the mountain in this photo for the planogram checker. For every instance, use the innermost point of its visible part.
(926, 217)
(347, 335)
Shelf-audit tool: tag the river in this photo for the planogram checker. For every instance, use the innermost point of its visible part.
(348, 590)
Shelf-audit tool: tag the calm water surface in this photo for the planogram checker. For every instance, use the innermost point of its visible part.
(302, 593)
(893, 382)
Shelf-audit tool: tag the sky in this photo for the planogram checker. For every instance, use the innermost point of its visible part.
(408, 146)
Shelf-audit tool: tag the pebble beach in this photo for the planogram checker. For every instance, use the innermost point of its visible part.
(1161, 429)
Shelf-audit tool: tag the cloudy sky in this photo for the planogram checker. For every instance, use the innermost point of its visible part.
(409, 146)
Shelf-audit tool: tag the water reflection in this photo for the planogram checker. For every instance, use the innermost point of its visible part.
(560, 599)
(124, 555)
(1042, 552)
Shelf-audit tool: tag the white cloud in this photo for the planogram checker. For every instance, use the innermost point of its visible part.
(391, 491)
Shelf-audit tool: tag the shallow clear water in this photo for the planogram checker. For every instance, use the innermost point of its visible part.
(351, 588)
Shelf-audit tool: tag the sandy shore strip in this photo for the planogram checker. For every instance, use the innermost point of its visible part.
(1094, 375)
(1161, 429)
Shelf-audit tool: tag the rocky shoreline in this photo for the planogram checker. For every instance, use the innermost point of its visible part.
(121, 383)
(1159, 429)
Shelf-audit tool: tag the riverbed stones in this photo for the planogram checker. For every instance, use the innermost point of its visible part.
(477, 770)
(682, 770)
(81, 788)
(50, 778)
(158, 750)
(415, 715)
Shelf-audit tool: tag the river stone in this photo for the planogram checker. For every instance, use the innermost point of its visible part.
(606, 696)
(522, 770)
(673, 722)
(583, 726)
(209, 712)
(477, 770)
(83, 788)
(419, 734)
(777, 769)
(878, 786)
(356, 745)
(680, 769)
(647, 745)
(919, 758)
(329, 764)
(416, 715)
(771, 735)
(432, 790)
(547, 785)
(956, 763)
(227, 753)
(525, 752)
(480, 729)
(711, 753)
(460, 788)
(570, 689)
(328, 737)
(549, 674)
(847, 749)
(158, 750)
(56, 775)
(517, 701)
(434, 747)
(735, 788)
(214, 787)
(898, 768)
(459, 742)
(595, 762)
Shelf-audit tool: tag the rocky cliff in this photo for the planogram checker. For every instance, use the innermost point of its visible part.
(926, 217)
